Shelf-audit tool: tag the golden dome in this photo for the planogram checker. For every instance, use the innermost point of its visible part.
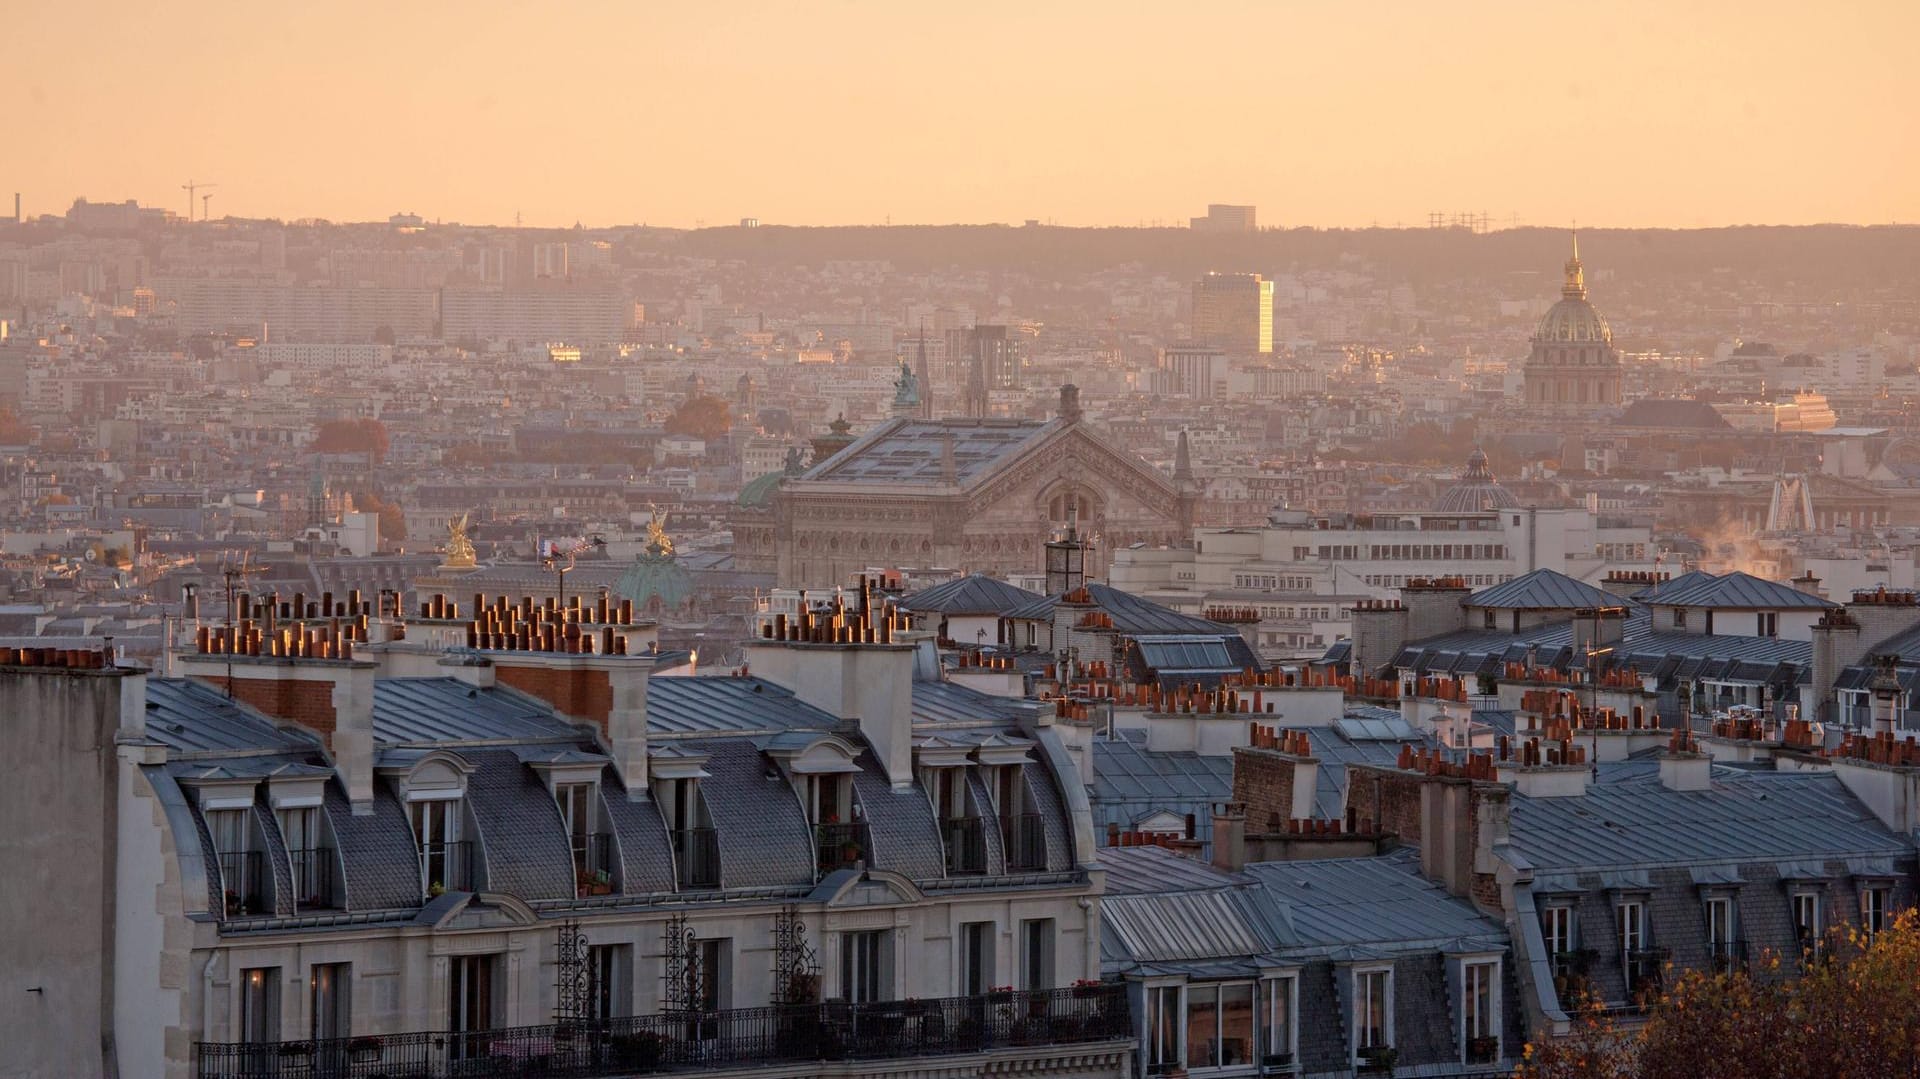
(1573, 318)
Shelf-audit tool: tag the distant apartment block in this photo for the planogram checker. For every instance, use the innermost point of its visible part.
(1223, 218)
(1233, 312)
(302, 313)
(579, 316)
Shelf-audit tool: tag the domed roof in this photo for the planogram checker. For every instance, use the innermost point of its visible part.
(759, 490)
(1573, 318)
(1477, 490)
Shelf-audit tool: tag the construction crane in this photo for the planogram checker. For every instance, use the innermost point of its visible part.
(190, 187)
(204, 200)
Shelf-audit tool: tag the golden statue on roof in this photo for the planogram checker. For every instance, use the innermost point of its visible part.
(460, 553)
(658, 542)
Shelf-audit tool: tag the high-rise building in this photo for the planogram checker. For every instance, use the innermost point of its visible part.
(1233, 312)
(1224, 218)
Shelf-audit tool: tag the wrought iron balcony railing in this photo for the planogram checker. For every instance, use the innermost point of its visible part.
(839, 846)
(966, 846)
(243, 883)
(446, 867)
(314, 886)
(593, 869)
(774, 1037)
(697, 853)
(1025, 839)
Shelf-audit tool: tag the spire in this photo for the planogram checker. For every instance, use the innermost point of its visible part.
(1182, 461)
(921, 372)
(1576, 286)
(977, 388)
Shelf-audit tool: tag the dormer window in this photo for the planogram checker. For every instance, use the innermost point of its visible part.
(445, 858)
(297, 796)
(676, 791)
(1679, 618)
(242, 878)
(822, 767)
(592, 847)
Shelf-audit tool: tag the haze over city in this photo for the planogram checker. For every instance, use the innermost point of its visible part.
(1291, 540)
(1075, 112)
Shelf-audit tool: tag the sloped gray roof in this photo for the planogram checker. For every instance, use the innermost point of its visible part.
(910, 451)
(1735, 591)
(1668, 654)
(1131, 614)
(1637, 822)
(193, 717)
(1544, 589)
(946, 702)
(1673, 412)
(693, 705)
(444, 710)
(972, 594)
(1374, 904)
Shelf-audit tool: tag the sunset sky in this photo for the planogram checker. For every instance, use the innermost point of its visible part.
(1332, 112)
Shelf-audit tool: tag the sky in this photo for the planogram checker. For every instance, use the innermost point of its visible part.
(1320, 112)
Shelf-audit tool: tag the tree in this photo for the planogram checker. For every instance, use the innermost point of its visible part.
(393, 519)
(704, 417)
(364, 435)
(384, 335)
(1852, 1013)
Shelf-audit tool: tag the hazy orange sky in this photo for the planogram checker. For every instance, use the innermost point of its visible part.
(1333, 112)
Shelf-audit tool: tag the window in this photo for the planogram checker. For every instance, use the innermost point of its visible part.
(1873, 908)
(1036, 953)
(470, 1002)
(1558, 928)
(241, 876)
(976, 958)
(610, 995)
(1679, 618)
(1769, 624)
(1163, 1029)
(1482, 1016)
(576, 811)
(1633, 926)
(260, 1004)
(443, 862)
(1806, 919)
(863, 966)
(713, 959)
(1373, 1009)
(1277, 1020)
(1719, 915)
(332, 989)
(1220, 1025)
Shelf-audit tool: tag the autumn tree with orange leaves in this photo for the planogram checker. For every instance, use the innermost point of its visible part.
(1849, 1011)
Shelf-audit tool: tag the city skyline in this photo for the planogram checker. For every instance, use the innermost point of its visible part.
(1319, 116)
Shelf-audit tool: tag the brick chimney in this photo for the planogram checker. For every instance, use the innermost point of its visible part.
(300, 671)
(1682, 766)
(1275, 777)
(1544, 769)
(1229, 835)
(1435, 606)
(852, 661)
(1380, 628)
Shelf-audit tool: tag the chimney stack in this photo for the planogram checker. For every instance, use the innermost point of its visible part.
(1682, 766)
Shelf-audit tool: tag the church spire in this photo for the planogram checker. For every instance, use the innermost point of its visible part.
(921, 372)
(1182, 462)
(1576, 286)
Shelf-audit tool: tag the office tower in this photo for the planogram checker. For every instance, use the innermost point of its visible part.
(1234, 312)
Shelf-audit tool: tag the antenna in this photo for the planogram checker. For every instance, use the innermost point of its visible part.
(190, 187)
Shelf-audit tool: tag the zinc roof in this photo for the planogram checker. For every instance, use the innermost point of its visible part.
(690, 705)
(1632, 820)
(946, 702)
(911, 451)
(972, 594)
(1544, 589)
(1734, 591)
(193, 717)
(439, 710)
(1367, 903)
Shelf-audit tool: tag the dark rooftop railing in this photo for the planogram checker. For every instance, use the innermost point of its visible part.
(966, 840)
(839, 846)
(774, 1037)
(314, 885)
(243, 882)
(1025, 837)
(593, 864)
(697, 853)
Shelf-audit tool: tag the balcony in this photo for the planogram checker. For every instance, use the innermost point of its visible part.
(776, 1038)
(1025, 839)
(446, 867)
(966, 846)
(243, 883)
(1646, 970)
(1727, 956)
(839, 846)
(593, 864)
(314, 887)
(1570, 968)
(696, 851)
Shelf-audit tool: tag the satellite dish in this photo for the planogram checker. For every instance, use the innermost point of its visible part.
(92, 555)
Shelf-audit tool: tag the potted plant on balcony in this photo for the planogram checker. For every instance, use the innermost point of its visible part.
(639, 1051)
(803, 988)
(296, 1049)
(436, 890)
(1378, 1059)
(1000, 994)
(1484, 1049)
(1086, 987)
(364, 1049)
